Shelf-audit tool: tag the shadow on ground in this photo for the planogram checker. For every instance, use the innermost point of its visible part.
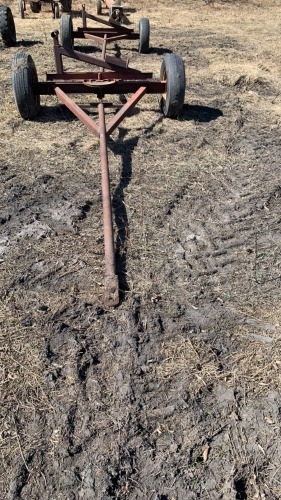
(200, 113)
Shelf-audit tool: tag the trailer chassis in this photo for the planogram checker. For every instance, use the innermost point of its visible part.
(112, 76)
(112, 29)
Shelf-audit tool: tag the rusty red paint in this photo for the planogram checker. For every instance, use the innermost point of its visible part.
(116, 120)
(113, 76)
(77, 111)
(111, 296)
(114, 29)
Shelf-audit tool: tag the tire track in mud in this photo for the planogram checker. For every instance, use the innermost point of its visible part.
(99, 382)
(213, 244)
(218, 232)
(227, 229)
(105, 432)
(101, 365)
(99, 439)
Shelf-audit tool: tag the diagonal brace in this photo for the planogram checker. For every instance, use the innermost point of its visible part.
(77, 111)
(120, 115)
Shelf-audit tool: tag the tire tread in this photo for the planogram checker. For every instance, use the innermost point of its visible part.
(24, 74)
(66, 29)
(144, 31)
(173, 66)
(7, 26)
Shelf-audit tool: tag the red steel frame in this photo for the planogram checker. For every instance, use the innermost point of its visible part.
(113, 30)
(113, 76)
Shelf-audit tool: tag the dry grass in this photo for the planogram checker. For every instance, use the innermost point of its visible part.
(24, 393)
(192, 360)
(253, 362)
(231, 54)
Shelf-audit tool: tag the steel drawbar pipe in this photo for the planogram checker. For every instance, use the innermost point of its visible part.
(111, 279)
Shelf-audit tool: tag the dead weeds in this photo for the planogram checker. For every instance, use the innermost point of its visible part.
(125, 403)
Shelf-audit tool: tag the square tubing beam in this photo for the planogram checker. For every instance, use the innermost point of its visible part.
(100, 88)
(96, 76)
(109, 62)
(100, 39)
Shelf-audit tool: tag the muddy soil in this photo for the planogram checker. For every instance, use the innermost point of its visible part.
(175, 393)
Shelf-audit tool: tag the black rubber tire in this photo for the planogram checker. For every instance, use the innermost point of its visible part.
(66, 32)
(66, 5)
(21, 8)
(24, 75)
(144, 31)
(7, 26)
(56, 10)
(98, 7)
(172, 71)
(35, 7)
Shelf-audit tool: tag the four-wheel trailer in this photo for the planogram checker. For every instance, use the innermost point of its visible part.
(112, 76)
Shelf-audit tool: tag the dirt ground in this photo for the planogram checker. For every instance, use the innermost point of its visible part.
(175, 393)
